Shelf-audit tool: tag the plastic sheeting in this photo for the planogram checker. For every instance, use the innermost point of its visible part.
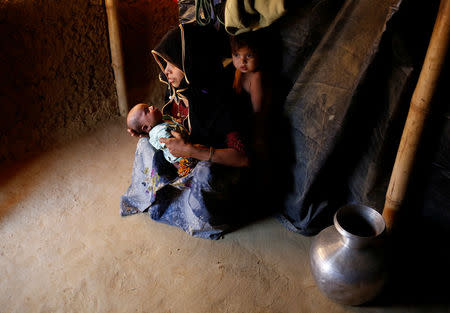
(346, 107)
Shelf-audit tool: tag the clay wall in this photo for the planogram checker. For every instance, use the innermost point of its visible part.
(143, 23)
(56, 79)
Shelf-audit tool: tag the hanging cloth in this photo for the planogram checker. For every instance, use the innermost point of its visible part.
(204, 12)
(246, 15)
(186, 11)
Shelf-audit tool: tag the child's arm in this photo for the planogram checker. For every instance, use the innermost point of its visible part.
(256, 92)
(261, 97)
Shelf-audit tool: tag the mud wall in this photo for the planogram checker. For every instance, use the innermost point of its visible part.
(143, 23)
(56, 79)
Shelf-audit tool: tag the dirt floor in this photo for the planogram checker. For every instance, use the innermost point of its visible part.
(65, 248)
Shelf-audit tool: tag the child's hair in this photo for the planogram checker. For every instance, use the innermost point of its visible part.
(249, 39)
(237, 81)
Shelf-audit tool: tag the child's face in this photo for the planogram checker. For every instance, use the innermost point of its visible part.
(148, 117)
(245, 60)
(174, 74)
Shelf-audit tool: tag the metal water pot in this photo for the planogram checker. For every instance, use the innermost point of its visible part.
(348, 258)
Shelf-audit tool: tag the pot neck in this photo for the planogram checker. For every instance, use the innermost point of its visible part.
(359, 225)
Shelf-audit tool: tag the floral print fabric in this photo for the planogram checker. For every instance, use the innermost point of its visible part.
(196, 203)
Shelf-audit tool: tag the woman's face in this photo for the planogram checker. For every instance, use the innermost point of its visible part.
(174, 74)
(245, 60)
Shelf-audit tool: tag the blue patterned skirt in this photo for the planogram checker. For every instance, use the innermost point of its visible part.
(201, 203)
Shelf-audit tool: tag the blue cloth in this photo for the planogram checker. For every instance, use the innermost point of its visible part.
(198, 203)
(162, 131)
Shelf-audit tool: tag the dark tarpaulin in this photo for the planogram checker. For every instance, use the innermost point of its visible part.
(337, 137)
(352, 74)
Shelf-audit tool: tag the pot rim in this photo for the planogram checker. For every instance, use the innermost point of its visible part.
(370, 215)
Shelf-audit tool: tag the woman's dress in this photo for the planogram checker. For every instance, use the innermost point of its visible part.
(202, 203)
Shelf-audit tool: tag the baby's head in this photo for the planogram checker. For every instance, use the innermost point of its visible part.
(142, 118)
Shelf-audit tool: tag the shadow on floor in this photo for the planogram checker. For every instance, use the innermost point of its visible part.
(419, 262)
(11, 197)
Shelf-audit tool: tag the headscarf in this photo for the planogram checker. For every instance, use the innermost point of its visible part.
(193, 49)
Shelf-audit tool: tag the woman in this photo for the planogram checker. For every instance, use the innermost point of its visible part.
(200, 202)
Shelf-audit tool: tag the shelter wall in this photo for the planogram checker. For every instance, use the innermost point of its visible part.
(56, 79)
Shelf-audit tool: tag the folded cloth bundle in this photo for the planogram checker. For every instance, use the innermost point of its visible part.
(246, 15)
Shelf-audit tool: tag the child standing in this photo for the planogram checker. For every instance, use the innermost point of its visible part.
(253, 89)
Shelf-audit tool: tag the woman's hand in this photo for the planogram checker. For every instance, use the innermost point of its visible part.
(177, 145)
(135, 134)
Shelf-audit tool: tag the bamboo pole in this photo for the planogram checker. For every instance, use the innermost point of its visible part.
(116, 55)
(418, 111)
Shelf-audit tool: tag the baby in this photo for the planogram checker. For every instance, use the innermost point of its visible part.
(144, 119)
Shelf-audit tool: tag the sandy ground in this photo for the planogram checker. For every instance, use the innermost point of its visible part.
(65, 248)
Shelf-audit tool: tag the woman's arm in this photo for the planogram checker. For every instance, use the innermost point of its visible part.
(227, 156)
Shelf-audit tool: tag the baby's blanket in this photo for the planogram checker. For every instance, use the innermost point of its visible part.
(162, 131)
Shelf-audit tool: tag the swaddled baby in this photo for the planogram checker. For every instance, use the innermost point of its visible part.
(145, 119)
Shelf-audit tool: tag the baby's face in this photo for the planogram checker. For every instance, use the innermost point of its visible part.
(148, 117)
(245, 60)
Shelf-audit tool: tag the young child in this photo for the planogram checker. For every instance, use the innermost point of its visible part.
(249, 76)
(149, 120)
(252, 87)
